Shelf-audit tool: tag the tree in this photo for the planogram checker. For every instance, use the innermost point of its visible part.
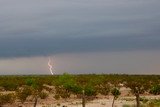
(115, 92)
(103, 86)
(138, 85)
(83, 98)
(36, 86)
(65, 85)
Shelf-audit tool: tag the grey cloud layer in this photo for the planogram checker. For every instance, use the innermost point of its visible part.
(15, 47)
(43, 27)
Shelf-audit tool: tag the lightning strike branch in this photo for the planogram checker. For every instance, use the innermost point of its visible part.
(50, 66)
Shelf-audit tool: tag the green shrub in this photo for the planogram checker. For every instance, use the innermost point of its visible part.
(155, 90)
(73, 88)
(115, 92)
(10, 86)
(90, 90)
(34, 83)
(29, 81)
(66, 83)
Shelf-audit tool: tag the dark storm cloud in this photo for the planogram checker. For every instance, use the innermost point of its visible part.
(43, 27)
(15, 47)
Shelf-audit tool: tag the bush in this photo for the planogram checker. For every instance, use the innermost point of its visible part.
(34, 83)
(43, 95)
(103, 89)
(66, 84)
(10, 86)
(62, 92)
(7, 98)
(23, 93)
(29, 81)
(115, 92)
(73, 88)
(90, 90)
(155, 90)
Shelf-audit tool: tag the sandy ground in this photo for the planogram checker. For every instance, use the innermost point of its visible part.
(77, 103)
(104, 102)
(101, 101)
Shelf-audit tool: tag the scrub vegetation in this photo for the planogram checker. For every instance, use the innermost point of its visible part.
(81, 86)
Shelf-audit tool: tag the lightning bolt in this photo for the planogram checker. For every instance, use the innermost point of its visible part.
(50, 66)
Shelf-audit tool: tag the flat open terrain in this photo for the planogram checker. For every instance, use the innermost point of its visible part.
(66, 90)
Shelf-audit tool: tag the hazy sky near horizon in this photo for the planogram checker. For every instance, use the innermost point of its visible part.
(81, 36)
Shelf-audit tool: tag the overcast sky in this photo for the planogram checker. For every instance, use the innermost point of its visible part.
(81, 36)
